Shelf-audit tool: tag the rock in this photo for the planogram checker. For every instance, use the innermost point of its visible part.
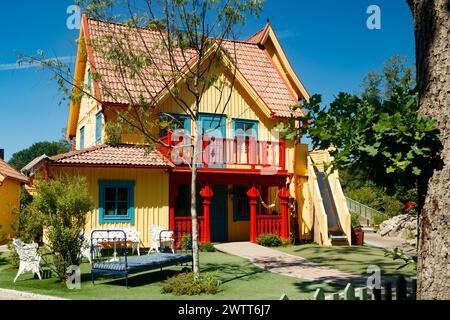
(403, 226)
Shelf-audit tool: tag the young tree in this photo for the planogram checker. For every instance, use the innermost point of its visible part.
(432, 24)
(163, 48)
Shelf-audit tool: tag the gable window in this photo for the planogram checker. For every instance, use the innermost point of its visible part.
(116, 203)
(98, 128)
(82, 138)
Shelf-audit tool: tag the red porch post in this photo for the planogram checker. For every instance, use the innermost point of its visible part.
(173, 193)
(207, 193)
(283, 194)
(253, 193)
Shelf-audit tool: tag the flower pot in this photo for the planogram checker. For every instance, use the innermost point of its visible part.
(357, 237)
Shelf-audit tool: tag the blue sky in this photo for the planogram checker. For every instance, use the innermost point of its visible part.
(327, 42)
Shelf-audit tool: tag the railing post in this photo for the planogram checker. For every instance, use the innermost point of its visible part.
(207, 193)
(283, 194)
(253, 194)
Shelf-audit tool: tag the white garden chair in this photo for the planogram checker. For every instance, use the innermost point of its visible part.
(134, 237)
(157, 237)
(29, 258)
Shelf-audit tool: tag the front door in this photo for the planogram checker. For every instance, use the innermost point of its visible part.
(219, 214)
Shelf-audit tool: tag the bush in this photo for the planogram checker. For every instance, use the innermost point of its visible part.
(269, 240)
(379, 218)
(186, 242)
(392, 206)
(188, 284)
(207, 247)
(356, 224)
(60, 205)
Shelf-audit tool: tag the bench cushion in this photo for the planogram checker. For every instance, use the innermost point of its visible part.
(143, 263)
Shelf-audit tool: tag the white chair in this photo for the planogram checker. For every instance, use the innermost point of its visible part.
(158, 237)
(29, 258)
(134, 237)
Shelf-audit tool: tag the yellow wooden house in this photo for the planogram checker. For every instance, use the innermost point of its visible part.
(10, 184)
(249, 183)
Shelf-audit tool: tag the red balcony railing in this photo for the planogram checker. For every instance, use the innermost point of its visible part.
(184, 224)
(269, 224)
(232, 153)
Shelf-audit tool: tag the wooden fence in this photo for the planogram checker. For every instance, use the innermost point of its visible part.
(386, 292)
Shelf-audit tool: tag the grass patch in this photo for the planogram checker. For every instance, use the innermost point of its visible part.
(239, 279)
(354, 259)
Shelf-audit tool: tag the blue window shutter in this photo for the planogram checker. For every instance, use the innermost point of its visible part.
(82, 138)
(129, 218)
(98, 128)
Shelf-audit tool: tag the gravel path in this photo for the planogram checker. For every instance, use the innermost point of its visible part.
(288, 265)
(6, 294)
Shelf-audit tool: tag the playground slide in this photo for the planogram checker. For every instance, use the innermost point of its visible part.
(335, 229)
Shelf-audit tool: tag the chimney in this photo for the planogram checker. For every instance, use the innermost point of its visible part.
(2, 154)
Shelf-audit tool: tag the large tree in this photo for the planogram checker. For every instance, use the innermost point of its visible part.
(432, 25)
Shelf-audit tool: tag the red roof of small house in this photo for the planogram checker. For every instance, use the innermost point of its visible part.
(6, 171)
(106, 155)
(252, 61)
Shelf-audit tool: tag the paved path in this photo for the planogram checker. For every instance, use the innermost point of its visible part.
(374, 239)
(288, 265)
(6, 294)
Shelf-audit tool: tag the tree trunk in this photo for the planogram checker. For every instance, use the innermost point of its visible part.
(432, 25)
(195, 253)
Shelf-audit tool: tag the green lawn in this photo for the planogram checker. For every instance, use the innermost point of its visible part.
(353, 259)
(240, 278)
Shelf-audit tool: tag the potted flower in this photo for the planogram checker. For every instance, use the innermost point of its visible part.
(357, 232)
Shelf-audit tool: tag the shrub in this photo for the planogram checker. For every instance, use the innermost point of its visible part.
(379, 218)
(60, 205)
(188, 284)
(392, 206)
(207, 247)
(269, 240)
(356, 224)
(186, 242)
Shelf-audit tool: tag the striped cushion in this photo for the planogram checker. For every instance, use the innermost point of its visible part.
(142, 263)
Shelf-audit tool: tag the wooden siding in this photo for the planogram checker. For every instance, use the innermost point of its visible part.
(9, 201)
(87, 118)
(151, 196)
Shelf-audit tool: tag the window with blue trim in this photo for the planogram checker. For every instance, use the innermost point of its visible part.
(82, 138)
(98, 128)
(245, 129)
(180, 121)
(116, 203)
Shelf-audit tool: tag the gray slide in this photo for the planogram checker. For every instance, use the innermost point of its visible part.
(335, 230)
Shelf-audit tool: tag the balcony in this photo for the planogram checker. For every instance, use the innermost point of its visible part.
(226, 153)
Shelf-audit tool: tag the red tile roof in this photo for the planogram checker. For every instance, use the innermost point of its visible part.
(9, 172)
(105, 155)
(251, 60)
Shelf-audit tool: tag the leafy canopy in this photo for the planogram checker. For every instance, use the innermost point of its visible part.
(22, 158)
(378, 131)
